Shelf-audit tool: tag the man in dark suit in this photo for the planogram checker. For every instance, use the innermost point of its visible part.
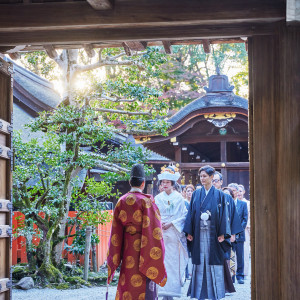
(238, 247)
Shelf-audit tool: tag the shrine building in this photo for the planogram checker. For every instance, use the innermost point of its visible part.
(210, 130)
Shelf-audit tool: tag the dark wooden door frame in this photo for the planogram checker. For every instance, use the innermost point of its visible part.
(6, 70)
(274, 143)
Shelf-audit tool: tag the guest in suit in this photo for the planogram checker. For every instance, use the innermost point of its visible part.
(188, 192)
(240, 196)
(242, 210)
(235, 228)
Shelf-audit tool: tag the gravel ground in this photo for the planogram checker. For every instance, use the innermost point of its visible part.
(98, 293)
(243, 292)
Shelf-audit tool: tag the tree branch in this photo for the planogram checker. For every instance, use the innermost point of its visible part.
(116, 56)
(42, 198)
(42, 177)
(111, 167)
(108, 61)
(139, 132)
(116, 99)
(119, 111)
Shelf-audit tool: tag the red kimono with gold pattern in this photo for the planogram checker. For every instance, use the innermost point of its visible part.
(136, 241)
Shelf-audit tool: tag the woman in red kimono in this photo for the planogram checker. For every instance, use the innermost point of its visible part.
(136, 241)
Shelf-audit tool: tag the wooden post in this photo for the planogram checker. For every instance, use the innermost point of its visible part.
(224, 160)
(88, 235)
(177, 154)
(274, 107)
(6, 71)
(186, 177)
(94, 258)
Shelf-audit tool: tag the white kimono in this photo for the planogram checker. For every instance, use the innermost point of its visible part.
(173, 210)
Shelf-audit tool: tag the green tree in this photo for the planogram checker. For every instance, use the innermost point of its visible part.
(45, 176)
(184, 74)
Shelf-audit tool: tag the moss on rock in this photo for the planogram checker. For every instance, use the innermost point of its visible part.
(77, 280)
(62, 286)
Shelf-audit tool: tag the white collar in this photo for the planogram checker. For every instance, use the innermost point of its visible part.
(135, 189)
(168, 195)
(206, 192)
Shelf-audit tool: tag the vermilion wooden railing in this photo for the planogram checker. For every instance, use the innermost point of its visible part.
(19, 244)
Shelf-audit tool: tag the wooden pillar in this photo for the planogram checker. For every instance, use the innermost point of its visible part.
(288, 162)
(186, 177)
(194, 178)
(224, 160)
(177, 154)
(223, 151)
(274, 109)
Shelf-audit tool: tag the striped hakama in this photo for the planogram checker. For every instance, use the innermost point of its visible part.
(207, 280)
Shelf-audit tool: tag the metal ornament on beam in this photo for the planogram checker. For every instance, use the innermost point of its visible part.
(220, 119)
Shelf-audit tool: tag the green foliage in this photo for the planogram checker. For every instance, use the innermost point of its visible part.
(39, 63)
(77, 280)
(18, 272)
(184, 73)
(78, 244)
(62, 286)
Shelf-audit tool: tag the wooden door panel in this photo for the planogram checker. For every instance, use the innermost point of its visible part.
(5, 178)
(3, 184)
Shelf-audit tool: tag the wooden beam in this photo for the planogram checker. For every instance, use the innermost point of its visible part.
(86, 36)
(136, 45)
(14, 56)
(112, 44)
(126, 49)
(194, 139)
(89, 50)
(51, 51)
(167, 46)
(206, 46)
(79, 14)
(101, 4)
(230, 165)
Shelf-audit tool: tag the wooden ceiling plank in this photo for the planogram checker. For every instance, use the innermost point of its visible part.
(80, 14)
(206, 46)
(167, 46)
(101, 4)
(92, 36)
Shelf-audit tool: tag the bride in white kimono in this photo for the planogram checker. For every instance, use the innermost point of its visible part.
(173, 213)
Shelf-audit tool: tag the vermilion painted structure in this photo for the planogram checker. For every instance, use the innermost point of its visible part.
(19, 244)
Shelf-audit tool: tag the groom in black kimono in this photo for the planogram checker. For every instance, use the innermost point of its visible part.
(207, 209)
